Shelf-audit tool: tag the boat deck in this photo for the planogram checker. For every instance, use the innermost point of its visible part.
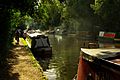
(109, 57)
(102, 52)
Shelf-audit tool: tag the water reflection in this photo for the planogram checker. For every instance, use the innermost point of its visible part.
(65, 57)
(44, 62)
(58, 37)
(51, 74)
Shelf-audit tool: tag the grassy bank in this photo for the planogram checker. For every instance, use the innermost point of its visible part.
(22, 64)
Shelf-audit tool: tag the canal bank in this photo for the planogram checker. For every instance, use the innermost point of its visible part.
(23, 65)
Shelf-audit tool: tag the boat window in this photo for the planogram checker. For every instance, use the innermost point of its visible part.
(45, 42)
(38, 43)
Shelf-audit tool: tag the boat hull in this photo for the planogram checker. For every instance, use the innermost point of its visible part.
(96, 66)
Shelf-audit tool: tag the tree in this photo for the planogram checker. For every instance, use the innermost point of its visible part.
(6, 6)
(81, 12)
(109, 11)
(48, 12)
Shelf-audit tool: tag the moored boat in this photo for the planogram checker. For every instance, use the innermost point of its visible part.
(99, 64)
(39, 44)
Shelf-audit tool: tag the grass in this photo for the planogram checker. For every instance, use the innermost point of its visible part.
(35, 62)
(15, 67)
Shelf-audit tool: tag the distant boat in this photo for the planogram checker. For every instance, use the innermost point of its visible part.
(106, 36)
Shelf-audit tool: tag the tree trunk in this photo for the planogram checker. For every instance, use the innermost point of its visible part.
(4, 29)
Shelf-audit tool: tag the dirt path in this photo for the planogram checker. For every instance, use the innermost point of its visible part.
(22, 65)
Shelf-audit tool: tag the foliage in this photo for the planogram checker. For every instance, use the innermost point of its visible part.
(8, 21)
(14, 12)
(81, 13)
(17, 19)
(109, 11)
(51, 13)
(48, 13)
(23, 6)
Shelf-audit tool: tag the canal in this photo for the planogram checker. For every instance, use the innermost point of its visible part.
(63, 63)
(65, 56)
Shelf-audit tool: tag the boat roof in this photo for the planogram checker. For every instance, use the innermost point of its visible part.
(102, 52)
(35, 34)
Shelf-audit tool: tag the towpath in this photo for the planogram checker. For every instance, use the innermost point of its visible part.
(21, 65)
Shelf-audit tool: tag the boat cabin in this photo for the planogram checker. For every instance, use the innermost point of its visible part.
(39, 44)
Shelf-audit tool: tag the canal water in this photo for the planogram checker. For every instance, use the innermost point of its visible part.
(65, 56)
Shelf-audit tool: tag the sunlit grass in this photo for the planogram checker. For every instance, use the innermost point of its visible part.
(35, 62)
(13, 41)
(23, 41)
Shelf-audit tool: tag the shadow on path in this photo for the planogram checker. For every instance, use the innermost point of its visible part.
(20, 65)
(6, 66)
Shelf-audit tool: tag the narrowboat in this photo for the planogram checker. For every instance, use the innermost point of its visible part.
(109, 37)
(106, 36)
(99, 64)
(39, 44)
